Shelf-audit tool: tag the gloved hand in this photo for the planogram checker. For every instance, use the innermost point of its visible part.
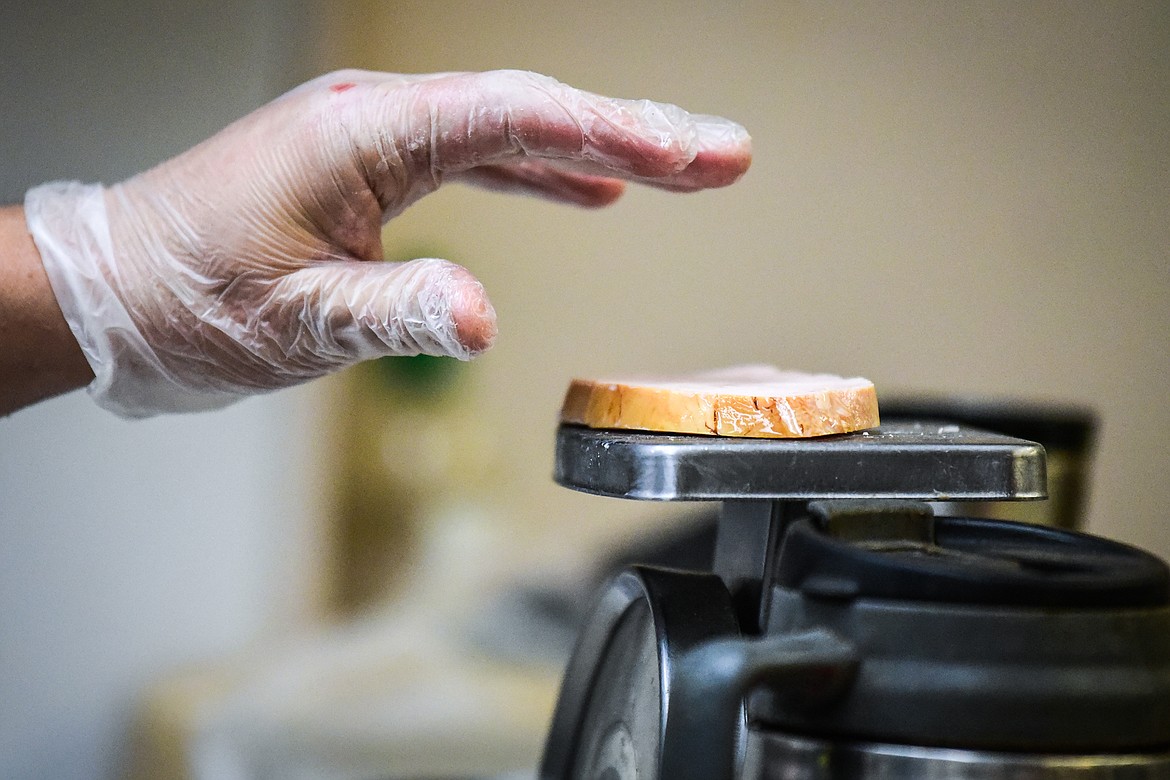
(246, 263)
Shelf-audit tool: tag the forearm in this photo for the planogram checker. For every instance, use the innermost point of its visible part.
(39, 357)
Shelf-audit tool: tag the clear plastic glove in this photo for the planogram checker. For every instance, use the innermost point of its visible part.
(247, 263)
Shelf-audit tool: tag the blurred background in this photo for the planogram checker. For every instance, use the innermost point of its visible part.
(963, 198)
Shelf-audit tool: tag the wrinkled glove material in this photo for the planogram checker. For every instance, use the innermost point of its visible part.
(252, 262)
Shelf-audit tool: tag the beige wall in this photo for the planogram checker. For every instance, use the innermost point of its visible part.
(966, 197)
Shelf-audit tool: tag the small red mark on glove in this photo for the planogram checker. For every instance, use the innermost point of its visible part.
(342, 87)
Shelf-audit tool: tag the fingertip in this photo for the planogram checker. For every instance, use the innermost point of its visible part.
(716, 131)
(472, 312)
(681, 151)
(590, 192)
(595, 192)
(717, 169)
(724, 155)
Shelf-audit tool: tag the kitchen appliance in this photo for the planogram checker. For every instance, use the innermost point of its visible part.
(846, 631)
(1068, 433)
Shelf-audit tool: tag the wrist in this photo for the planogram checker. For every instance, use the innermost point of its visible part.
(39, 355)
(126, 300)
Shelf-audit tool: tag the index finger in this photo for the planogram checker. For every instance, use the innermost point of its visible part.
(455, 123)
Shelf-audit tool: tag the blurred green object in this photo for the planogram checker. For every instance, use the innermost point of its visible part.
(420, 379)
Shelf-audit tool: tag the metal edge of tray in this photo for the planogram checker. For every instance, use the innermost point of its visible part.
(904, 459)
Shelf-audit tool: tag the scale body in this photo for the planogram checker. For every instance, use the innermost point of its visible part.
(846, 632)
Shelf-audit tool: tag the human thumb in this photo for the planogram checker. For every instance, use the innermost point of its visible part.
(346, 312)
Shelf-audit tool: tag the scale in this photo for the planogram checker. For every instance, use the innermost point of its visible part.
(846, 631)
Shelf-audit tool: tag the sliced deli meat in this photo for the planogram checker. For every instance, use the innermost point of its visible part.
(753, 401)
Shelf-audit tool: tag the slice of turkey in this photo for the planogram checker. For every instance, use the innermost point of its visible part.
(754, 401)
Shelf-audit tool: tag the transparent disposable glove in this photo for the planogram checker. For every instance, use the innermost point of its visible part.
(249, 262)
